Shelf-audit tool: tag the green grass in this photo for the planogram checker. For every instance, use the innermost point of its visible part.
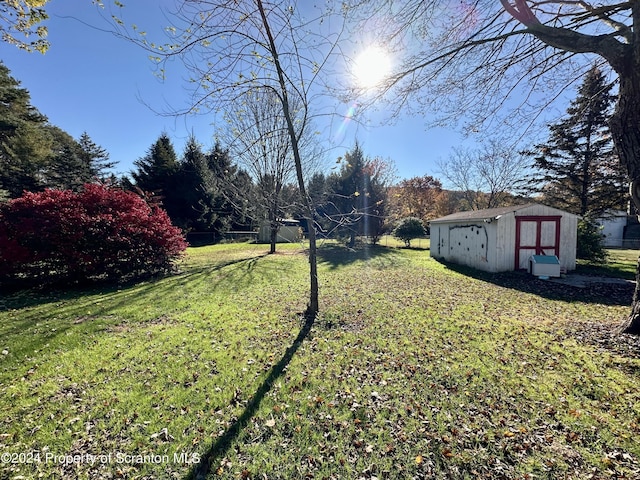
(620, 263)
(412, 370)
(416, 243)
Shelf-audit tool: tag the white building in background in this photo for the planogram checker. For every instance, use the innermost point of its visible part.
(613, 226)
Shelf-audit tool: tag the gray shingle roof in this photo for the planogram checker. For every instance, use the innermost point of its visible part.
(488, 213)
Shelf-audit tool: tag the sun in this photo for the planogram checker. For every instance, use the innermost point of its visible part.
(371, 67)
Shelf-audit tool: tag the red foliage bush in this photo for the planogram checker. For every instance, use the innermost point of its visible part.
(101, 233)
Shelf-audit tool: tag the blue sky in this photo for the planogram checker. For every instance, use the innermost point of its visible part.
(92, 81)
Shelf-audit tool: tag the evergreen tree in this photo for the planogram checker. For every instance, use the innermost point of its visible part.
(357, 197)
(580, 171)
(193, 189)
(95, 157)
(35, 154)
(317, 190)
(67, 169)
(241, 197)
(200, 190)
(234, 201)
(25, 145)
(157, 173)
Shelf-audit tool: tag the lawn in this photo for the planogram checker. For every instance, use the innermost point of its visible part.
(414, 369)
(620, 263)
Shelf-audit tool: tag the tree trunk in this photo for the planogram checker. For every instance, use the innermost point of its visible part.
(625, 131)
(314, 305)
(273, 233)
(632, 323)
(352, 239)
(273, 239)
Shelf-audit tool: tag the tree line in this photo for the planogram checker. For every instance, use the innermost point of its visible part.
(576, 169)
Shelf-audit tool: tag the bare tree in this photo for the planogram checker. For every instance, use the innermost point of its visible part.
(258, 137)
(260, 142)
(491, 54)
(237, 48)
(487, 177)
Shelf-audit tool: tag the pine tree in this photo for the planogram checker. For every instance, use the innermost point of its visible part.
(35, 154)
(579, 170)
(358, 197)
(234, 201)
(25, 145)
(95, 157)
(199, 192)
(192, 189)
(66, 169)
(157, 172)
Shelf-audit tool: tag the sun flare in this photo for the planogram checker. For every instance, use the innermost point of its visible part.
(371, 67)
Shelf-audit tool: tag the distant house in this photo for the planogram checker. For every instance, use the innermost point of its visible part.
(290, 231)
(504, 239)
(613, 226)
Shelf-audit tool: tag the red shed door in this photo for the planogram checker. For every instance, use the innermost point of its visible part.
(536, 235)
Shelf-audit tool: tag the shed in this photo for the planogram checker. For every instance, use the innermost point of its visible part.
(288, 232)
(504, 239)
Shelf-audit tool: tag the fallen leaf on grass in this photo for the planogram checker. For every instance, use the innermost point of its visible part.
(572, 437)
(447, 453)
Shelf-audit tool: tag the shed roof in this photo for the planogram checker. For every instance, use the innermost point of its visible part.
(487, 213)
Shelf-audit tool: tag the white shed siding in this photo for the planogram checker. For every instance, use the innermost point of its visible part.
(487, 239)
(505, 253)
(568, 242)
(469, 245)
(286, 233)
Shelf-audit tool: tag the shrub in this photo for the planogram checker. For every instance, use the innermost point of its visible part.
(590, 242)
(408, 229)
(101, 233)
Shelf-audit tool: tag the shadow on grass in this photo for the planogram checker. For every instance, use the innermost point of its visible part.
(90, 309)
(336, 255)
(13, 299)
(601, 293)
(242, 272)
(220, 447)
(413, 247)
(608, 269)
